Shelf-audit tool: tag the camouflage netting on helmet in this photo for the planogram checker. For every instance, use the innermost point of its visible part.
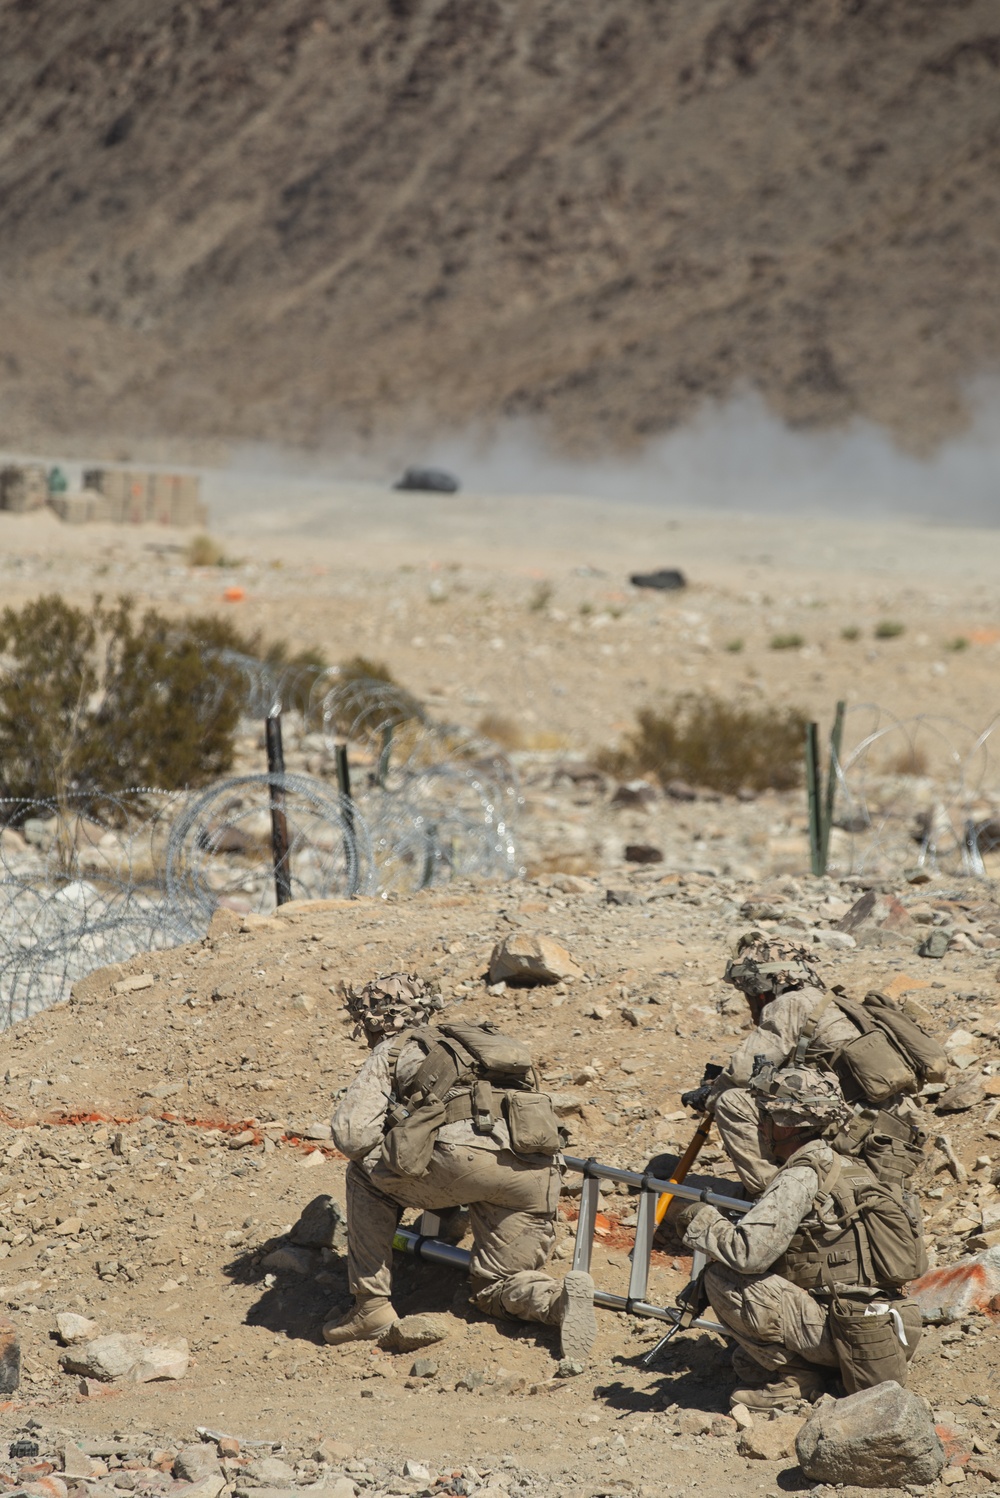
(765, 964)
(798, 1097)
(392, 1003)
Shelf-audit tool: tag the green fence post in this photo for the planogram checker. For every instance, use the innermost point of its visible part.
(836, 735)
(813, 794)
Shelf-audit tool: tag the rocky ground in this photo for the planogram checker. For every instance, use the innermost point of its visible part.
(166, 1127)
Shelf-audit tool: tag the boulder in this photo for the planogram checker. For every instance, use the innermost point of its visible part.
(71, 1328)
(643, 853)
(105, 1358)
(525, 960)
(770, 1440)
(271, 1470)
(160, 1362)
(410, 1333)
(321, 1224)
(194, 1462)
(959, 1289)
(878, 1438)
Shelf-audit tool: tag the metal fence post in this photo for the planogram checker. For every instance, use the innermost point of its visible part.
(279, 820)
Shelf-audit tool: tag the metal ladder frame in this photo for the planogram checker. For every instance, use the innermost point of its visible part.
(422, 1243)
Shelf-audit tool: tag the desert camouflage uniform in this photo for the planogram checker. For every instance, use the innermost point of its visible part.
(742, 1129)
(776, 1322)
(512, 1199)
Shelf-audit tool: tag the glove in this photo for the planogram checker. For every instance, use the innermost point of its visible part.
(686, 1216)
(697, 1098)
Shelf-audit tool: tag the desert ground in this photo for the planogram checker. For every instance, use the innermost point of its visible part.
(159, 1143)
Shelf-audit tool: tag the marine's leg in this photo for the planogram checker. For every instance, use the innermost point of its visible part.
(513, 1225)
(372, 1219)
(782, 1328)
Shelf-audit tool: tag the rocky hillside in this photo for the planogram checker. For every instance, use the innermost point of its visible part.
(299, 218)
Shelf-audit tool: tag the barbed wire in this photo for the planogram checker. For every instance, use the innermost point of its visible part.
(915, 793)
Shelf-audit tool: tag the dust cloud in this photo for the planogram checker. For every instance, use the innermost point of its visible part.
(739, 456)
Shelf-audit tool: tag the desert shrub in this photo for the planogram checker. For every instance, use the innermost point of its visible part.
(99, 700)
(720, 745)
(850, 632)
(541, 597)
(786, 642)
(888, 629)
(501, 730)
(734, 646)
(958, 644)
(203, 551)
(910, 760)
(369, 697)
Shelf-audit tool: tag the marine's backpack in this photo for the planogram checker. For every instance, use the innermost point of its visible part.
(891, 1054)
(469, 1072)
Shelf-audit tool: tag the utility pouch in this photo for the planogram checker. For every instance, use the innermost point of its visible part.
(531, 1123)
(870, 1067)
(482, 1108)
(868, 1337)
(890, 1160)
(408, 1146)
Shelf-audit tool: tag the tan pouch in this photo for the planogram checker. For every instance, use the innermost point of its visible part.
(874, 1066)
(408, 1146)
(531, 1123)
(867, 1342)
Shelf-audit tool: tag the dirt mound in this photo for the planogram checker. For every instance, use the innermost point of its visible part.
(283, 220)
(165, 1128)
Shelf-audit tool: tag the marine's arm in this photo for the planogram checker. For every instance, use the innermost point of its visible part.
(753, 1243)
(359, 1122)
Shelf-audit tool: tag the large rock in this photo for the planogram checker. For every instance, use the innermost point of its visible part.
(169, 1360)
(194, 1462)
(72, 1328)
(877, 920)
(526, 960)
(321, 1224)
(955, 1291)
(410, 1333)
(771, 1440)
(105, 1358)
(878, 1438)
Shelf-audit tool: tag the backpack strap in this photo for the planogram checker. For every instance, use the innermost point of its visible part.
(808, 1032)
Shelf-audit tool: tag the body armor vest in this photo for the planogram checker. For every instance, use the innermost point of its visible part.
(859, 1234)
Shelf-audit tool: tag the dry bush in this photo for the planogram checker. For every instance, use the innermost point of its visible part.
(720, 745)
(910, 760)
(787, 642)
(100, 701)
(889, 629)
(203, 551)
(501, 730)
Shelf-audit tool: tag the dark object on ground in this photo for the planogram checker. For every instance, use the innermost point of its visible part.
(321, 1225)
(635, 793)
(430, 480)
(988, 835)
(666, 579)
(22, 1448)
(643, 853)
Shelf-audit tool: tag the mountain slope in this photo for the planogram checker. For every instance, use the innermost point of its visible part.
(299, 219)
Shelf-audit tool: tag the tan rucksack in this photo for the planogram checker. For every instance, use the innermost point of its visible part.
(474, 1073)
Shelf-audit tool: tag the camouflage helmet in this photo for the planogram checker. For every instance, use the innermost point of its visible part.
(769, 963)
(800, 1097)
(392, 1003)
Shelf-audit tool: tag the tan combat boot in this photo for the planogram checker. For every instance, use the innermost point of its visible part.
(766, 1389)
(365, 1322)
(577, 1322)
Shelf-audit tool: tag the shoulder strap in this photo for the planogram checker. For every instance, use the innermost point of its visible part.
(808, 1032)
